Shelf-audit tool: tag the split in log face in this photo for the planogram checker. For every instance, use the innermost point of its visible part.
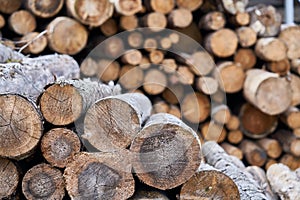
(9, 178)
(44, 8)
(168, 152)
(43, 182)
(20, 126)
(209, 184)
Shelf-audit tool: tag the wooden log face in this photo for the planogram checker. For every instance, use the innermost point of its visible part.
(45, 8)
(291, 36)
(9, 178)
(20, 126)
(10, 6)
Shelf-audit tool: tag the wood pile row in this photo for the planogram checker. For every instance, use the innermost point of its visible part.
(141, 64)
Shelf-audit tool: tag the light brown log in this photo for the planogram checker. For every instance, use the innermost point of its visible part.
(160, 106)
(240, 19)
(180, 18)
(155, 21)
(59, 145)
(235, 136)
(145, 63)
(89, 67)
(163, 7)
(109, 27)
(150, 44)
(232, 150)
(265, 20)
(2, 22)
(234, 168)
(283, 181)
(221, 114)
(191, 5)
(60, 39)
(156, 56)
(246, 58)
(230, 76)
(256, 124)
(289, 142)
(212, 21)
(99, 176)
(221, 43)
(155, 82)
(291, 36)
(172, 147)
(21, 126)
(297, 132)
(271, 146)
(173, 93)
(22, 22)
(114, 47)
(233, 123)
(270, 49)
(185, 75)
(295, 66)
(259, 90)
(174, 110)
(36, 42)
(168, 65)
(246, 35)
(295, 86)
(291, 161)
(281, 67)
(254, 154)
(174, 37)
(148, 194)
(219, 96)
(112, 123)
(207, 85)
(291, 117)
(165, 43)
(129, 22)
(209, 184)
(269, 163)
(128, 7)
(131, 77)
(200, 62)
(212, 131)
(44, 8)
(43, 182)
(93, 12)
(195, 107)
(233, 7)
(108, 70)
(9, 178)
(10, 6)
(132, 57)
(65, 101)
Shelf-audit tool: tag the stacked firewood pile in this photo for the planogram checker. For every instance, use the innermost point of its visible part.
(118, 100)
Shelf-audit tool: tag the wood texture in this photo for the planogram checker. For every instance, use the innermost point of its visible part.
(270, 49)
(290, 36)
(9, 178)
(44, 8)
(128, 7)
(22, 22)
(10, 6)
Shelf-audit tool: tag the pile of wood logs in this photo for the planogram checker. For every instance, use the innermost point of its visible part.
(117, 99)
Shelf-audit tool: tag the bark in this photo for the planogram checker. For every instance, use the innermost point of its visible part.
(291, 36)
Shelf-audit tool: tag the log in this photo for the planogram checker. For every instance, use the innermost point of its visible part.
(195, 107)
(174, 110)
(221, 114)
(259, 90)
(207, 85)
(10, 6)
(185, 75)
(222, 43)
(295, 66)
(155, 21)
(247, 36)
(132, 57)
(2, 22)
(297, 132)
(163, 7)
(60, 39)
(174, 37)
(9, 178)
(260, 176)
(113, 47)
(156, 57)
(265, 20)
(43, 182)
(35, 42)
(131, 77)
(113, 122)
(289, 142)
(283, 181)
(99, 176)
(209, 184)
(160, 106)
(155, 82)
(290, 36)
(135, 40)
(191, 5)
(169, 65)
(281, 67)
(44, 8)
(128, 7)
(213, 131)
(109, 27)
(21, 126)
(291, 161)
(254, 154)
(230, 76)
(165, 43)
(212, 21)
(201, 63)
(233, 7)
(150, 44)
(235, 136)
(108, 70)
(59, 145)
(291, 117)
(148, 194)
(22, 22)
(232, 150)
(295, 86)
(173, 93)
(216, 156)
(65, 101)
(172, 148)
(89, 67)
(240, 19)
(129, 22)
(269, 163)
(271, 146)
(180, 18)
(245, 57)
(233, 123)
(218, 97)
(256, 124)
(270, 49)
(93, 13)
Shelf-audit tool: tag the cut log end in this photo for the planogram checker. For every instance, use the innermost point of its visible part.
(44, 8)
(189, 4)
(128, 7)
(22, 22)
(9, 178)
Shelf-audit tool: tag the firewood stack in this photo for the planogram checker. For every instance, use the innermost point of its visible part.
(117, 99)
